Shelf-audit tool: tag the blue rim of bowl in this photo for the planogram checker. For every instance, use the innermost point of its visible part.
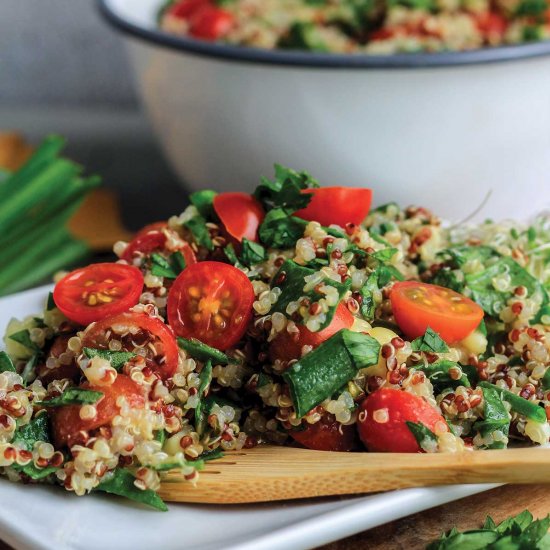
(320, 60)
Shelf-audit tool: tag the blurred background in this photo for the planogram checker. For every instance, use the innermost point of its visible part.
(65, 71)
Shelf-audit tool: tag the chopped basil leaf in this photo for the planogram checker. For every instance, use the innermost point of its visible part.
(431, 342)
(117, 358)
(30, 367)
(231, 255)
(172, 463)
(438, 374)
(377, 280)
(281, 230)
(213, 454)
(121, 483)
(197, 226)
(169, 268)
(50, 304)
(203, 352)
(518, 404)
(460, 255)
(546, 380)
(384, 255)
(26, 436)
(423, 435)
(203, 202)
(160, 436)
(303, 35)
(286, 190)
(252, 253)
(73, 396)
(291, 280)
(205, 378)
(496, 417)
(6, 364)
(323, 371)
(492, 300)
(23, 337)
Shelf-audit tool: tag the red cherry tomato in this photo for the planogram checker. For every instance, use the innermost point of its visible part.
(338, 205)
(210, 23)
(211, 301)
(491, 24)
(382, 420)
(66, 421)
(184, 9)
(326, 435)
(71, 371)
(240, 213)
(91, 293)
(137, 331)
(417, 306)
(287, 347)
(152, 238)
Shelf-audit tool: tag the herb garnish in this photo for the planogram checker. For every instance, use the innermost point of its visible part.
(73, 396)
(117, 358)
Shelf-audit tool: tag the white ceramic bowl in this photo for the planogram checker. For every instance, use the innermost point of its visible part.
(440, 130)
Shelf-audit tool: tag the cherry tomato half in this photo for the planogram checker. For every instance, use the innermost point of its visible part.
(286, 347)
(211, 301)
(66, 421)
(417, 306)
(382, 420)
(152, 238)
(94, 292)
(338, 205)
(326, 435)
(137, 331)
(210, 22)
(186, 8)
(491, 25)
(240, 213)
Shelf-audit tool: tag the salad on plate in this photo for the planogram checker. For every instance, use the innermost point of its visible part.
(297, 315)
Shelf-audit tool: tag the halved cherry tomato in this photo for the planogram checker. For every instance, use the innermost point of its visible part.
(338, 205)
(152, 238)
(91, 293)
(210, 22)
(184, 9)
(211, 301)
(382, 420)
(137, 331)
(286, 347)
(326, 435)
(491, 24)
(240, 213)
(417, 306)
(66, 421)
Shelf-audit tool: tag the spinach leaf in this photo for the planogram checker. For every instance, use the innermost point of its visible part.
(197, 226)
(50, 304)
(285, 191)
(281, 230)
(121, 483)
(231, 255)
(376, 280)
(495, 415)
(117, 358)
(203, 352)
(203, 202)
(205, 378)
(252, 253)
(6, 364)
(423, 435)
(73, 396)
(169, 268)
(30, 367)
(213, 454)
(460, 255)
(23, 337)
(384, 255)
(438, 374)
(323, 371)
(291, 280)
(431, 342)
(449, 278)
(304, 35)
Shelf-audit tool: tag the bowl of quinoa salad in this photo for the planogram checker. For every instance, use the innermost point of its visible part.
(441, 128)
(357, 26)
(296, 315)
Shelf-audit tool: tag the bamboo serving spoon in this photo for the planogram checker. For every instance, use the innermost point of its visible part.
(267, 473)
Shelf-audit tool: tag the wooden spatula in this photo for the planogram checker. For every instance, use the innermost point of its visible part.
(270, 473)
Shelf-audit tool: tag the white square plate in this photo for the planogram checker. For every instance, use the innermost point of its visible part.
(48, 518)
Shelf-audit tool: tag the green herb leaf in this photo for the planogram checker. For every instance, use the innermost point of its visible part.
(423, 435)
(495, 415)
(252, 253)
(169, 268)
(121, 483)
(203, 202)
(281, 230)
(377, 280)
(518, 404)
(286, 190)
(431, 342)
(203, 352)
(160, 436)
(323, 371)
(197, 226)
(231, 255)
(6, 364)
(30, 367)
(438, 374)
(50, 304)
(384, 255)
(23, 337)
(304, 35)
(213, 454)
(73, 396)
(117, 358)
(291, 280)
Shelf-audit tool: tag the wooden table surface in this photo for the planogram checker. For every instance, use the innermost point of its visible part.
(414, 532)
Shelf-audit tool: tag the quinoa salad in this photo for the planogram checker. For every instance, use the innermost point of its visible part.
(360, 26)
(296, 315)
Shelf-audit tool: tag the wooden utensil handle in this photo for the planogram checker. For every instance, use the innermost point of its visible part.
(280, 473)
